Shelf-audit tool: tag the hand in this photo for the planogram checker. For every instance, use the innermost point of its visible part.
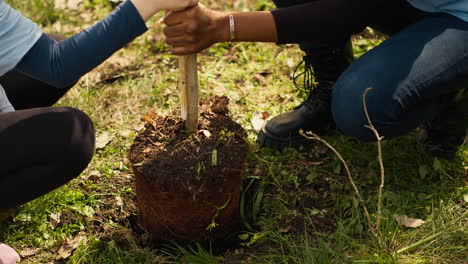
(195, 29)
(147, 8)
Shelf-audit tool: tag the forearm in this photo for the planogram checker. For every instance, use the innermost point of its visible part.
(61, 64)
(258, 26)
(146, 11)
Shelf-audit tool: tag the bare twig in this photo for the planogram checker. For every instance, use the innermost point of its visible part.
(312, 136)
(382, 169)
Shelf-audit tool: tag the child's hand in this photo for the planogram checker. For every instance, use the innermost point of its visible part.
(147, 8)
(175, 4)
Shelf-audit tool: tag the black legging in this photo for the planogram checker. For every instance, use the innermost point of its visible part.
(40, 148)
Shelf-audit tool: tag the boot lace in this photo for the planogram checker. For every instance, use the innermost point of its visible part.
(316, 94)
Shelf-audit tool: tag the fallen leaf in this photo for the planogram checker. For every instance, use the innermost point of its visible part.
(408, 221)
(257, 121)
(125, 133)
(103, 139)
(68, 246)
(285, 229)
(118, 201)
(139, 126)
(206, 133)
(28, 252)
(147, 150)
(258, 172)
(54, 220)
(265, 115)
(94, 176)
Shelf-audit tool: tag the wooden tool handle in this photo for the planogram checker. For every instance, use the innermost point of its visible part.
(188, 84)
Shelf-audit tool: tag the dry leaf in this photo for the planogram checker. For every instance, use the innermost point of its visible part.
(257, 121)
(139, 126)
(28, 252)
(147, 150)
(118, 201)
(258, 172)
(94, 176)
(54, 220)
(285, 229)
(103, 139)
(68, 246)
(408, 221)
(149, 119)
(206, 133)
(125, 133)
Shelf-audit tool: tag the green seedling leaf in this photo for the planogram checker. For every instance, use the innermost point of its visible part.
(88, 211)
(314, 211)
(311, 177)
(337, 169)
(214, 158)
(423, 171)
(437, 165)
(243, 236)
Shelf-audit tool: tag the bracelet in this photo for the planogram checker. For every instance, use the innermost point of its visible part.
(232, 28)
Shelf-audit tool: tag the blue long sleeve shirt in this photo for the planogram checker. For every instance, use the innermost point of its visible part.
(26, 48)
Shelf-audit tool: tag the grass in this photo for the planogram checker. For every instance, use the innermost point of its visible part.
(298, 206)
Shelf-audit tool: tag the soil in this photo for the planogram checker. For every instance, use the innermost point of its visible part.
(188, 182)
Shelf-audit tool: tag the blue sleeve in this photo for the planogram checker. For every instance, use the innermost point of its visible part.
(63, 63)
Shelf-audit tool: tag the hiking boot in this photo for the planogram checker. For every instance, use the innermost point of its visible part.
(443, 136)
(313, 114)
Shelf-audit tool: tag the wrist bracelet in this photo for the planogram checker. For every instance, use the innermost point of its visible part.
(232, 28)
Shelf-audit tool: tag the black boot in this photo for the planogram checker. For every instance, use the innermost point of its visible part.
(314, 114)
(447, 132)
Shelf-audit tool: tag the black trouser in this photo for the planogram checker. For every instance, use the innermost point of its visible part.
(41, 147)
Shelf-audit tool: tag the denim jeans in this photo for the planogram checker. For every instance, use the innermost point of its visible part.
(414, 75)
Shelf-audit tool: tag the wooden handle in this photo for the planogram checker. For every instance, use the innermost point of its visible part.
(188, 84)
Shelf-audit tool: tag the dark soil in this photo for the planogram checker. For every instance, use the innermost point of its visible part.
(188, 183)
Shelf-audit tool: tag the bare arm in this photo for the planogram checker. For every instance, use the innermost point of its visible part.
(197, 28)
(147, 8)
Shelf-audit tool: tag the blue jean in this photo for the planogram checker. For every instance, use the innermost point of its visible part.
(414, 76)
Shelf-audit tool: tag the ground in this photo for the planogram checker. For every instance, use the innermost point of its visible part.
(296, 206)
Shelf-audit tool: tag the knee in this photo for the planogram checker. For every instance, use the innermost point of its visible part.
(80, 149)
(348, 111)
